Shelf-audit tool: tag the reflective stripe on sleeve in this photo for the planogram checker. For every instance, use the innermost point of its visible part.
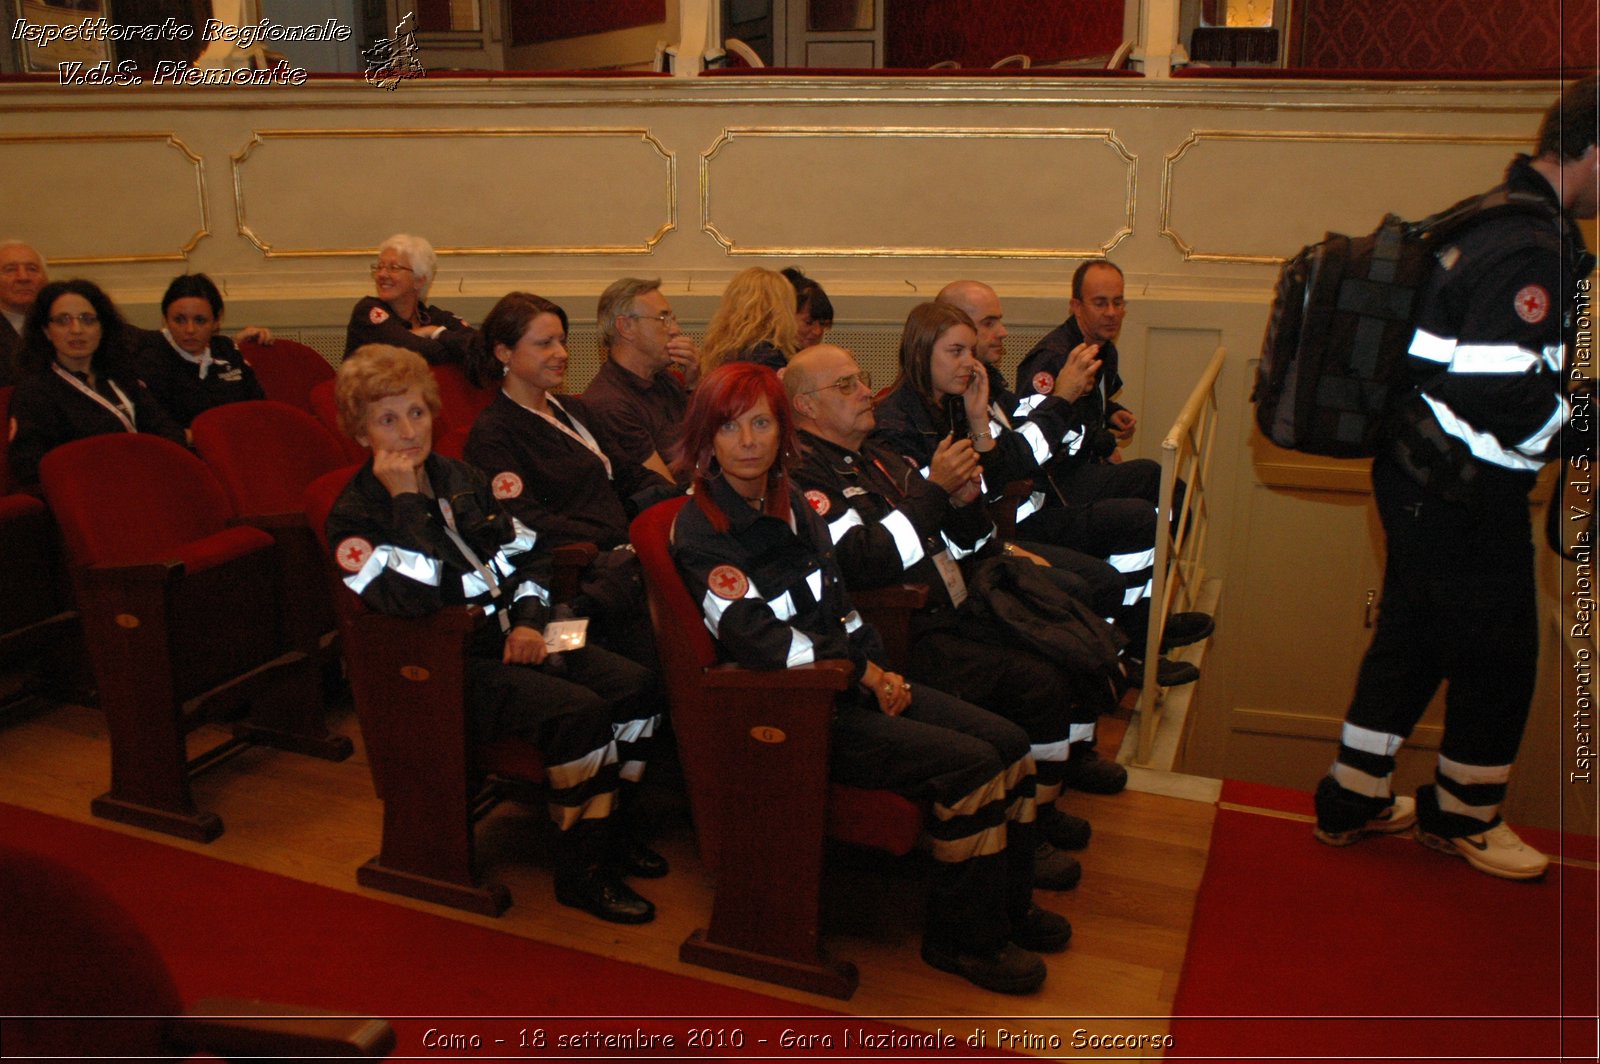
(906, 540)
(408, 563)
(1036, 441)
(848, 520)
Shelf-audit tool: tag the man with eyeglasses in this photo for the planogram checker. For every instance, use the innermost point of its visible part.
(1098, 309)
(642, 388)
(22, 274)
(889, 525)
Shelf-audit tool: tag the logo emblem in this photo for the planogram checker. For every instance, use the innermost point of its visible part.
(1532, 303)
(1043, 382)
(818, 501)
(353, 553)
(507, 485)
(727, 582)
(377, 315)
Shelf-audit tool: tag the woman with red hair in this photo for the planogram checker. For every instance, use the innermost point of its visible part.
(758, 560)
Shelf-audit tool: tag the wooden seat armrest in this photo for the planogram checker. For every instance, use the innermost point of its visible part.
(831, 675)
(570, 559)
(453, 624)
(891, 597)
(236, 1028)
(144, 575)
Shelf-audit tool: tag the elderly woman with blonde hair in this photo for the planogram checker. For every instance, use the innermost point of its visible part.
(399, 314)
(414, 532)
(755, 322)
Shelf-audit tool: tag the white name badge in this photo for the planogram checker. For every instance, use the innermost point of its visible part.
(566, 635)
(950, 573)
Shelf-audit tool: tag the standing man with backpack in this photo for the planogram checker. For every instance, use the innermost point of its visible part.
(1488, 361)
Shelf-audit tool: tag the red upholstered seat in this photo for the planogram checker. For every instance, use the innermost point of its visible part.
(327, 412)
(754, 748)
(461, 401)
(82, 981)
(287, 370)
(181, 617)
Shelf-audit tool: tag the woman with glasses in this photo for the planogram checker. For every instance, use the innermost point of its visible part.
(753, 323)
(78, 378)
(399, 314)
(189, 366)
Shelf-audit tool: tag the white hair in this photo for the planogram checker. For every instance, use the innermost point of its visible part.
(419, 254)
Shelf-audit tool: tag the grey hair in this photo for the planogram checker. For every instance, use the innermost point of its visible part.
(419, 255)
(616, 301)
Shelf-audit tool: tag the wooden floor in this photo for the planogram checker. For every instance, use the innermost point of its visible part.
(317, 821)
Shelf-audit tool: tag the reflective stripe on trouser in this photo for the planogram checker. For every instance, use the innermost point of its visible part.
(1476, 791)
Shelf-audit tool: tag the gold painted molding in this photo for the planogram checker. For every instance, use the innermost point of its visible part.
(172, 141)
(1169, 169)
(261, 136)
(731, 133)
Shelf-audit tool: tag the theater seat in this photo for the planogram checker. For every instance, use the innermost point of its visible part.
(287, 370)
(180, 615)
(327, 412)
(460, 401)
(266, 454)
(408, 679)
(81, 981)
(754, 747)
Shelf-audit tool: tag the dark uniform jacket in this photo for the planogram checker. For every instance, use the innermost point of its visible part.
(49, 411)
(374, 322)
(180, 385)
(1036, 375)
(395, 552)
(554, 483)
(10, 344)
(769, 589)
(1024, 442)
(1489, 351)
(886, 521)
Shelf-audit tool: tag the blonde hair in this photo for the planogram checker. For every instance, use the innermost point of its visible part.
(377, 371)
(757, 305)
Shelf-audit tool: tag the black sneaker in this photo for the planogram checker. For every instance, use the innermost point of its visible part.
(1186, 628)
(1042, 931)
(1053, 869)
(1007, 970)
(1062, 830)
(1169, 673)
(1093, 774)
(605, 895)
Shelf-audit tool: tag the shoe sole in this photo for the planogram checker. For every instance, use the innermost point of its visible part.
(1448, 846)
(953, 966)
(1355, 835)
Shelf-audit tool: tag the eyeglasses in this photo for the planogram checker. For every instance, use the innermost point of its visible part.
(666, 317)
(389, 267)
(86, 319)
(845, 385)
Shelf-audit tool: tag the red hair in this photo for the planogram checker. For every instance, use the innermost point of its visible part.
(725, 394)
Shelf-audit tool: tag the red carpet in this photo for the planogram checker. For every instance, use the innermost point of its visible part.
(227, 930)
(1383, 950)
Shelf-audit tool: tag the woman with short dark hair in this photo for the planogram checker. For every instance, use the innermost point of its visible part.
(188, 365)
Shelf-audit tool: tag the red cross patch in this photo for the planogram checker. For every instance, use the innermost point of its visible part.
(727, 582)
(353, 553)
(377, 315)
(507, 485)
(818, 501)
(1043, 382)
(1532, 303)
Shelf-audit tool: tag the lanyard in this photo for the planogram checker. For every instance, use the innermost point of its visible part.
(575, 430)
(123, 410)
(489, 578)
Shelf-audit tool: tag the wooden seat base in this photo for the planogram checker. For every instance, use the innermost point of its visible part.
(486, 899)
(826, 976)
(195, 826)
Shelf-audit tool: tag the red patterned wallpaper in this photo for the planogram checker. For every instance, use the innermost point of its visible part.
(919, 33)
(1455, 35)
(535, 21)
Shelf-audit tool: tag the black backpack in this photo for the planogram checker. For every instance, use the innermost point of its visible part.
(1333, 359)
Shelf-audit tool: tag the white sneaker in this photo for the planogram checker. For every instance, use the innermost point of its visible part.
(1396, 817)
(1498, 851)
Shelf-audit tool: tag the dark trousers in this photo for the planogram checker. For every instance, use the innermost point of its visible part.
(1458, 608)
(568, 709)
(973, 766)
